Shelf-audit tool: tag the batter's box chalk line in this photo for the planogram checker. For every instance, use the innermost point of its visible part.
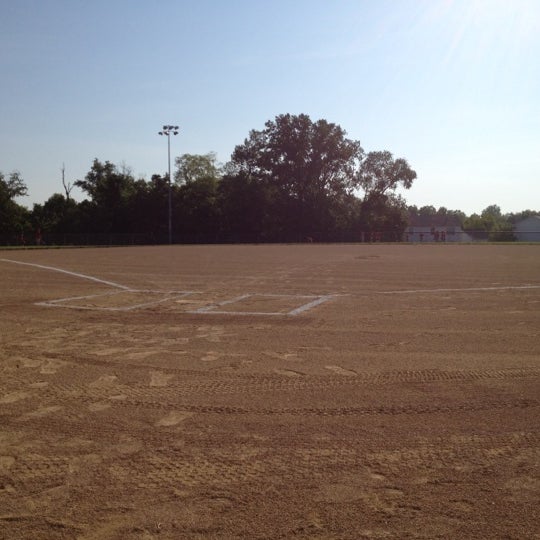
(74, 302)
(217, 308)
(304, 302)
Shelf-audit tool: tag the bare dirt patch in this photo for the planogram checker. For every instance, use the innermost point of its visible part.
(405, 406)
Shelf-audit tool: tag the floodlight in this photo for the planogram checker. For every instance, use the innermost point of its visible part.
(168, 130)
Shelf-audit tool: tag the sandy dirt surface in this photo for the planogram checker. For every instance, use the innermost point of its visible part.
(301, 391)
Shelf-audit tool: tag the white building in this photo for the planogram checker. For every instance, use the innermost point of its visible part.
(437, 234)
(528, 230)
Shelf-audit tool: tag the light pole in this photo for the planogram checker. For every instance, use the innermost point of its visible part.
(167, 131)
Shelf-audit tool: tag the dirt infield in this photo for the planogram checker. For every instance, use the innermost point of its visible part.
(299, 391)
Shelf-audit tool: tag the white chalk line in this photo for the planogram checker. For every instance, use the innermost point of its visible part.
(462, 289)
(232, 313)
(75, 274)
(214, 308)
(61, 302)
(168, 296)
(310, 305)
(74, 298)
(171, 296)
(211, 307)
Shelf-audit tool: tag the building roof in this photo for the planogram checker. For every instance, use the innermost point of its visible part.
(531, 219)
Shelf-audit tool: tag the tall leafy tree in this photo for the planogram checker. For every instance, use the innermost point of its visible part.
(301, 158)
(385, 214)
(197, 210)
(195, 204)
(303, 166)
(12, 186)
(59, 214)
(192, 167)
(110, 190)
(243, 204)
(379, 176)
(148, 207)
(14, 218)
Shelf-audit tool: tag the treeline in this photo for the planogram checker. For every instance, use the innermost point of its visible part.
(491, 224)
(295, 180)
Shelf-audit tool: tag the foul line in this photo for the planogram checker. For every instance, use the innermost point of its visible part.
(465, 289)
(83, 276)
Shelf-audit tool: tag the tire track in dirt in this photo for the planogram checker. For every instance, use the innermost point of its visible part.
(200, 383)
(302, 461)
(161, 393)
(391, 410)
(163, 467)
(159, 402)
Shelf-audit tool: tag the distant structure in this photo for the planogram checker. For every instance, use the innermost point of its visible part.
(437, 234)
(528, 229)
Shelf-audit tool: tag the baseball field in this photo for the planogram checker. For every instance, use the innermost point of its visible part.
(270, 391)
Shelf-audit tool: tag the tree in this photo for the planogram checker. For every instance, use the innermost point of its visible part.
(57, 215)
(300, 157)
(105, 184)
(385, 214)
(191, 167)
(243, 205)
(68, 186)
(303, 166)
(13, 186)
(382, 210)
(148, 206)
(518, 216)
(491, 224)
(197, 210)
(110, 190)
(380, 173)
(14, 218)
(429, 216)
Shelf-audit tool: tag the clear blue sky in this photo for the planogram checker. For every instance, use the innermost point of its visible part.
(453, 86)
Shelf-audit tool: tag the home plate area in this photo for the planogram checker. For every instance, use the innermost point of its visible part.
(194, 302)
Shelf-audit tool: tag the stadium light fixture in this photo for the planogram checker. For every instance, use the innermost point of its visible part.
(167, 132)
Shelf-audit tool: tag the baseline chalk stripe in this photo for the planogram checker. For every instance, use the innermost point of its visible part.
(310, 305)
(215, 308)
(160, 301)
(75, 274)
(73, 299)
(212, 307)
(465, 289)
(165, 297)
